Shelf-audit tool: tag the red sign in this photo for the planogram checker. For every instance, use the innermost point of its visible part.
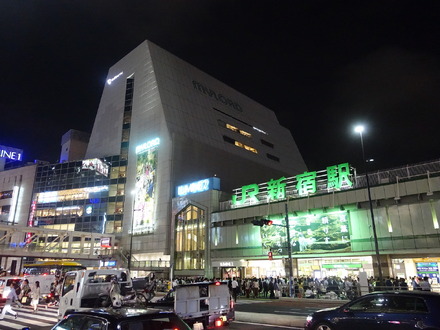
(270, 255)
(106, 242)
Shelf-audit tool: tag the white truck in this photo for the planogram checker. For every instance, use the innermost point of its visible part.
(202, 305)
(85, 289)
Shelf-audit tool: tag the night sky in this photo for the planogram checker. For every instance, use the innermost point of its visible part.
(322, 66)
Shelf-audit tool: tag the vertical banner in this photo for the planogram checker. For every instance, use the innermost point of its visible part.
(145, 188)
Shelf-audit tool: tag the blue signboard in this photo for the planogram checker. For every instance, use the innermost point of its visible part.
(427, 269)
(11, 153)
(198, 186)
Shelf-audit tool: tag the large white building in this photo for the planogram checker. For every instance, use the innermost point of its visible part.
(174, 124)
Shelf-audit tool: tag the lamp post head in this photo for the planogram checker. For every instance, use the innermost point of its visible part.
(359, 129)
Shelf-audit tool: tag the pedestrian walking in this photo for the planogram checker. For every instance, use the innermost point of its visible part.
(17, 289)
(35, 295)
(255, 288)
(235, 288)
(271, 288)
(425, 285)
(10, 298)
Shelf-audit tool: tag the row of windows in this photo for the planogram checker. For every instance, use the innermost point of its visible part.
(109, 226)
(249, 148)
(244, 133)
(77, 170)
(248, 135)
(78, 210)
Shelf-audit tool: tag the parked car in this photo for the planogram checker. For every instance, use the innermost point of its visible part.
(381, 310)
(122, 319)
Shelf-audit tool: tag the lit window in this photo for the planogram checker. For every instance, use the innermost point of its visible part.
(244, 146)
(237, 130)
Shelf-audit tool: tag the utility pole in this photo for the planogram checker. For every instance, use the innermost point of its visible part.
(289, 252)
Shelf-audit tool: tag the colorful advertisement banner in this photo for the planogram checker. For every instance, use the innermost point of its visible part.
(145, 190)
(310, 233)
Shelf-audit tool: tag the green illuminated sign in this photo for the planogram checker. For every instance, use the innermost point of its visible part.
(343, 265)
(336, 177)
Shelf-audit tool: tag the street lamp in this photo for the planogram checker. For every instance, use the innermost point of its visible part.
(360, 129)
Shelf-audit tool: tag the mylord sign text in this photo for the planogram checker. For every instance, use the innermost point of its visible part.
(337, 177)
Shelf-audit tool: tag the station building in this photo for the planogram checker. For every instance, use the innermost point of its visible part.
(330, 225)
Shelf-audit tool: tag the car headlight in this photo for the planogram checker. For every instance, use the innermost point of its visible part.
(309, 318)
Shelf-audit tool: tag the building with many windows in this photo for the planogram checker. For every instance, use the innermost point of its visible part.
(172, 124)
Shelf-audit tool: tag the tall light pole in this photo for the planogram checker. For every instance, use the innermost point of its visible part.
(360, 129)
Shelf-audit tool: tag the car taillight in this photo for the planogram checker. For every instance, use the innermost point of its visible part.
(218, 323)
(231, 303)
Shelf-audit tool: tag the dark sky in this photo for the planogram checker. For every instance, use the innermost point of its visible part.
(322, 66)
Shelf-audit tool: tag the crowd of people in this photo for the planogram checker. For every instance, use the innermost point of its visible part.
(331, 287)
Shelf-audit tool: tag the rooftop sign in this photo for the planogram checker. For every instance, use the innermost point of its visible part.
(336, 177)
(11, 153)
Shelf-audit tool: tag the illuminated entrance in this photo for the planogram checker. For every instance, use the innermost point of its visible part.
(190, 239)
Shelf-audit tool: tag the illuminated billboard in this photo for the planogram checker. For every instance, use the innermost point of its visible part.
(95, 165)
(69, 194)
(11, 153)
(145, 187)
(309, 233)
(198, 186)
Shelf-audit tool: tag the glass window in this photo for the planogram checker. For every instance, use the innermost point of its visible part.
(372, 304)
(190, 238)
(401, 304)
(91, 323)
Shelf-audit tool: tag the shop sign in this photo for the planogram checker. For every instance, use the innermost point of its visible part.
(219, 97)
(427, 269)
(110, 263)
(106, 242)
(11, 153)
(198, 186)
(342, 265)
(147, 145)
(334, 178)
(226, 264)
